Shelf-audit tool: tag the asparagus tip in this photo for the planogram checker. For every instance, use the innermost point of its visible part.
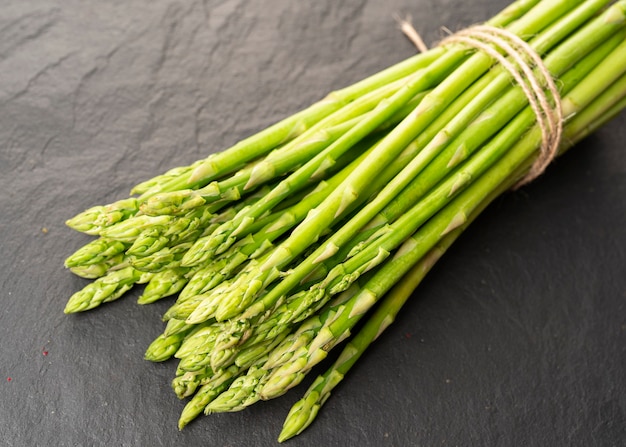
(300, 416)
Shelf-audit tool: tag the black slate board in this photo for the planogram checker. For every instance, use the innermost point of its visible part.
(517, 337)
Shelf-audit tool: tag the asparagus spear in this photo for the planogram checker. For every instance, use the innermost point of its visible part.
(163, 284)
(94, 271)
(95, 252)
(95, 219)
(163, 347)
(107, 288)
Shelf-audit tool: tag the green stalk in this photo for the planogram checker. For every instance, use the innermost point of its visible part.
(343, 235)
(499, 178)
(229, 160)
(216, 165)
(426, 207)
(305, 410)
(226, 235)
(250, 148)
(277, 163)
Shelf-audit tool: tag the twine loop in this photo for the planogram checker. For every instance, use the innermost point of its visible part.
(527, 68)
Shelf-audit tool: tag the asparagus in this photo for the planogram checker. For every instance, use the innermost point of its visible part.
(281, 161)
(96, 252)
(163, 284)
(201, 172)
(495, 180)
(163, 347)
(219, 356)
(168, 343)
(242, 293)
(105, 289)
(275, 381)
(306, 409)
(339, 229)
(95, 219)
(94, 271)
(220, 164)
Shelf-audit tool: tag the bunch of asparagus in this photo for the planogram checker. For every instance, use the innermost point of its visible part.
(279, 245)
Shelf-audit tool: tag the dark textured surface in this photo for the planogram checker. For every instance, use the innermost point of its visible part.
(517, 337)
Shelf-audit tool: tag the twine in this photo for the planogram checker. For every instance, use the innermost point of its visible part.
(521, 61)
(407, 28)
